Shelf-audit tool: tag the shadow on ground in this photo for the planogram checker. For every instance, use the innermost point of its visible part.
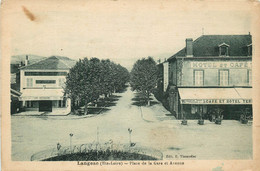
(98, 110)
(140, 100)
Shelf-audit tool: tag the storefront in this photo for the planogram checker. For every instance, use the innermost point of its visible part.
(45, 100)
(197, 102)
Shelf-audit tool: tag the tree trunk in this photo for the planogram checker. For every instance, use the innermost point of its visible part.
(86, 108)
(148, 99)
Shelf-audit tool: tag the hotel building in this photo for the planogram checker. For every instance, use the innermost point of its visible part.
(214, 71)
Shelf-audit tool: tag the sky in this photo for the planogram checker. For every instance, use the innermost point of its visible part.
(122, 31)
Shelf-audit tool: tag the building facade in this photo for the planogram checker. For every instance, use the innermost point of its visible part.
(214, 71)
(41, 85)
(15, 104)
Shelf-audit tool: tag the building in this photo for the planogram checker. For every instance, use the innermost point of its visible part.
(214, 71)
(41, 85)
(15, 104)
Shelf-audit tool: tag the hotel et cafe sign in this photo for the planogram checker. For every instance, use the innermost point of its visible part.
(222, 64)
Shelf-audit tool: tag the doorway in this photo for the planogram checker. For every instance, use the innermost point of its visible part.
(45, 106)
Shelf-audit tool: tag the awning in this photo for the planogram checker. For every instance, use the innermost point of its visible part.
(42, 94)
(215, 96)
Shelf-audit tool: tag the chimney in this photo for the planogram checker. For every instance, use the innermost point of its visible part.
(26, 60)
(21, 64)
(189, 47)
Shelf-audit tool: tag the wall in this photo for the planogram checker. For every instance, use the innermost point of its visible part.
(56, 78)
(165, 76)
(238, 70)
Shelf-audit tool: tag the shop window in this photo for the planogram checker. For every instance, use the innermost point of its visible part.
(29, 82)
(197, 109)
(31, 104)
(223, 77)
(27, 103)
(249, 77)
(62, 103)
(198, 77)
(223, 49)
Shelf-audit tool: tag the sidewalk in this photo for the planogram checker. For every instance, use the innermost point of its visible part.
(155, 112)
(29, 113)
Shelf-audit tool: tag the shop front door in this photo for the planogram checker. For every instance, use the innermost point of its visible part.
(45, 106)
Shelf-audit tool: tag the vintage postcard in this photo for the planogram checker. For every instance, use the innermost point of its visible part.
(130, 85)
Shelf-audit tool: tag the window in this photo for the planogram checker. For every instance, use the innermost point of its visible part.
(249, 77)
(29, 82)
(198, 109)
(62, 103)
(45, 73)
(223, 77)
(28, 103)
(198, 77)
(223, 49)
(45, 81)
(31, 104)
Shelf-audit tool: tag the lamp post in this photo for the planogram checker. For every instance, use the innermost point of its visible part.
(71, 142)
(130, 131)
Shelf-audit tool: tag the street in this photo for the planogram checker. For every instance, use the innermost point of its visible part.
(151, 127)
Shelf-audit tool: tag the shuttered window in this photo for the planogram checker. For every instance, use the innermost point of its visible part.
(198, 77)
(29, 82)
(223, 77)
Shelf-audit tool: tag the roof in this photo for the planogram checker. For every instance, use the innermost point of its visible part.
(18, 59)
(51, 63)
(208, 45)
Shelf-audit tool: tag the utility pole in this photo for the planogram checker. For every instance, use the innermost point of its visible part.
(97, 135)
(71, 142)
(130, 131)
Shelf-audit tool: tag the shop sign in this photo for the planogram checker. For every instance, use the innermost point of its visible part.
(216, 101)
(40, 98)
(219, 64)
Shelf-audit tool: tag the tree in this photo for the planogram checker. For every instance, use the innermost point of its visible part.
(89, 79)
(144, 76)
(82, 84)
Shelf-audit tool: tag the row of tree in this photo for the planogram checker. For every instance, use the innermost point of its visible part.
(144, 77)
(91, 78)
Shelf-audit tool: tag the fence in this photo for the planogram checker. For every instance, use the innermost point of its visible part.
(85, 148)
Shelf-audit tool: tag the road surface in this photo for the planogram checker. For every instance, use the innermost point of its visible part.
(151, 128)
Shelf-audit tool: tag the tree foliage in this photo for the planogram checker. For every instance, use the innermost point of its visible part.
(144, 76)
(90, 78)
